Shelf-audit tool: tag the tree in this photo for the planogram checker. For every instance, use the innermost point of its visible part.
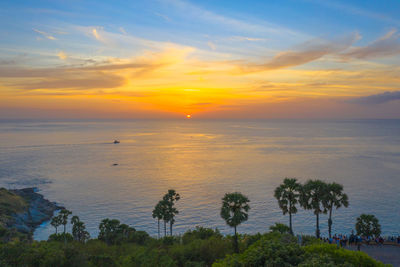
(113, 232)
(234, 211)
(368, 225)
(311, 197)
(56, 222)
(108, 230)
(170, 199)
(288, 195)
(334, 198)
(158, 213)
(64, 220)
(165, 216)
(280, 228)
(79, 230)
(64, 217)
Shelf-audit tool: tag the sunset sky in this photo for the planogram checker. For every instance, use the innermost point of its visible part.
(211, 59)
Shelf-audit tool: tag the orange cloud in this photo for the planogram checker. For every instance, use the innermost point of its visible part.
(178, 80)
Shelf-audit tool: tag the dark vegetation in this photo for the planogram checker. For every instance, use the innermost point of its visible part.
(21, 211)
(198, 247)
(122, 245)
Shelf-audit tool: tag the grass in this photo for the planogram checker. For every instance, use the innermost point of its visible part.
(10, 203)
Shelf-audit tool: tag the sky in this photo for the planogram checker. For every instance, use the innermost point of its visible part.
(212, 59)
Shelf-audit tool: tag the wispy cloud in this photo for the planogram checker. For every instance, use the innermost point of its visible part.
(97, 35)
(387, 45)
(109, 74)
(304, 53)
(211, 45)
(200, 13)
(62, 55)
(355, 10)
(244, 38)
(165, 17)
(377, 98)
(45, 34)
(60, 78)
(118, 40)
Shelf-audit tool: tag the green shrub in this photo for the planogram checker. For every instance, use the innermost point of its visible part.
(280, 228)
(60, 237)
(266, 252)
(205, 251)
(200, 233)
(274, 249)
(202, 247)
(341, 255)
(309, 240)
(138, 237)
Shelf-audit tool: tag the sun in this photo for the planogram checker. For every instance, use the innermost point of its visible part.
(188, 116)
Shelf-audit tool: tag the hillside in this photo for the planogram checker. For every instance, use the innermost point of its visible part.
(21, 211)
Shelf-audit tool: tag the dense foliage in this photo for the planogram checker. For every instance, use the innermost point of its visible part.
(280, 228)
(368, 225)
(274, 249)
(121, 245)
(198, 247)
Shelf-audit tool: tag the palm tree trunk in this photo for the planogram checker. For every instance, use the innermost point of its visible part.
(56, 230)
(236, 242)
(165, 228)
(330, 223)
(290, 217)
(65, 237)
(317, 230)
(170, 228)
(158, 228)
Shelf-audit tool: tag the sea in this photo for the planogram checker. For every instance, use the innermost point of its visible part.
(77, 165)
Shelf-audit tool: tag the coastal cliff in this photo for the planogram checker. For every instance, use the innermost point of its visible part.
(22, 210)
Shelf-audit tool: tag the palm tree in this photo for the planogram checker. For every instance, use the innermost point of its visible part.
(64, 220)
(170, 198)
(334, 198)
(234, 211)
(311, 197)
(64, 217)
(56, 222)
(288, 195)
(79, 229)
(75, 219)
(162, 210)
(158, 213)
(165, 215)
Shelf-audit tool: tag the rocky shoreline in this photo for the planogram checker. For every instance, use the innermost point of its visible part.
(37, 211)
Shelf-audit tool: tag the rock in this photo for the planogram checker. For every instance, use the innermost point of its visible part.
(39, 210)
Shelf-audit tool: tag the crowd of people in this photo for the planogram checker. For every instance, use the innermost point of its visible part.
(355, 240)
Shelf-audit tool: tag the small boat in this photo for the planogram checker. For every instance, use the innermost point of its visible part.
(116, 142)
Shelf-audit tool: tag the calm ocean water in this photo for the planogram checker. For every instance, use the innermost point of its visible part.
(72, 163)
